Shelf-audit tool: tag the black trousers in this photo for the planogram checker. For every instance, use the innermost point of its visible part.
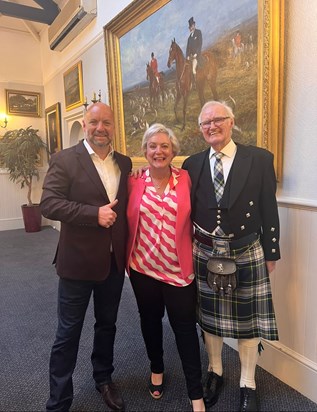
(152, 298)
(73, 300)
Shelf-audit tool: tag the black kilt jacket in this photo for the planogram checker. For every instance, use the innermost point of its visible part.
(249, 201)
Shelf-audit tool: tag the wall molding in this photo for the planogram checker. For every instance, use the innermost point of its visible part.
(290, 367)
(11, 223)
(295, 203)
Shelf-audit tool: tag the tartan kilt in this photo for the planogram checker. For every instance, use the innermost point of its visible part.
(249, 312)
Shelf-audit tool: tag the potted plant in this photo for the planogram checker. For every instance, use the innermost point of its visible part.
(20, 153)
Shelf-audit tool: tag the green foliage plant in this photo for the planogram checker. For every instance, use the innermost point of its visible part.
(20, 153)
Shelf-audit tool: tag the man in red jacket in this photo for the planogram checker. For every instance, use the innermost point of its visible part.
(154, 67)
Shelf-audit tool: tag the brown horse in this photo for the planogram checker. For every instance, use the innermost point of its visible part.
(207, 72)
(156, 88)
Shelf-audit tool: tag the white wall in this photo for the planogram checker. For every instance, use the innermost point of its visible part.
(20, 69)
(20, 64)
(294, 358)
(300, 146)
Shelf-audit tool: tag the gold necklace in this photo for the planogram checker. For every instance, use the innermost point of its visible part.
(161, 182)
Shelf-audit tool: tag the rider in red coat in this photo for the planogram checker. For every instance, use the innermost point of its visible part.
(154, 67)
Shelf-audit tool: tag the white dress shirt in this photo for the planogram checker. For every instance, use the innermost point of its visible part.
(108, 171)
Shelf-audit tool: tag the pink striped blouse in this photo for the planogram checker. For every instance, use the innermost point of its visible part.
(154, 252)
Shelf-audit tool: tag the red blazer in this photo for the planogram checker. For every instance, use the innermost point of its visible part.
(184, 228)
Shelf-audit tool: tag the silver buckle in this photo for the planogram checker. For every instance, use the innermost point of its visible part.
(220, 245)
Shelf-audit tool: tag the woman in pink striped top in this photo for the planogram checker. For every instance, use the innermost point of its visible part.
(159, 259)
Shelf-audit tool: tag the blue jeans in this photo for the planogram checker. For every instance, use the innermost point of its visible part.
(73, 300)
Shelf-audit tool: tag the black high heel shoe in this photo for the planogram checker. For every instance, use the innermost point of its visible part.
(156, 391)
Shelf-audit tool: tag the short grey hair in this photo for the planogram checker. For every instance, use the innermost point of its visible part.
(211, 103)
(160, 128)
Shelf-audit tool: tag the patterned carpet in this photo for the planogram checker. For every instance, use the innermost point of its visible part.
(28, 287)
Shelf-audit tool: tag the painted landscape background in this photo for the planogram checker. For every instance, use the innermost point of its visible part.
(236, 84)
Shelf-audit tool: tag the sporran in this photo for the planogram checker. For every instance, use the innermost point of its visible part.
(222, 275)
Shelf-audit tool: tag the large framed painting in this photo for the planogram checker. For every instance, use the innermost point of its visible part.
(21, 103)
(73, 86)
(242, 64)
(53, 128)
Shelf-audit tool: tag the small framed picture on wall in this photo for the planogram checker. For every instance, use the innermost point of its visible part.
(53, 128)
(21, 103)
(73, 86)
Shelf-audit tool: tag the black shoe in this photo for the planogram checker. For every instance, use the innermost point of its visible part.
(111, 396)
(248, 402)
(212, 388)
(156, 391)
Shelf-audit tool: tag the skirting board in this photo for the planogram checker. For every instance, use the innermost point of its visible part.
(288, 366)
(11, 224)
(17, 223)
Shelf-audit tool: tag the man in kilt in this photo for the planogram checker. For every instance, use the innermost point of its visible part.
(242, 225)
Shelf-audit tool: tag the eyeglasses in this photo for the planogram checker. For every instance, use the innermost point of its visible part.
(217, 121)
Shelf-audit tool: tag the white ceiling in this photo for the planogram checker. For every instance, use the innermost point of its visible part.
(27, 26)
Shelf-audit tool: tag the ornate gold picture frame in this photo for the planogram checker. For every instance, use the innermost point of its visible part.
(53, 128)
(22, 103)
(73, 86)
(131, 27)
